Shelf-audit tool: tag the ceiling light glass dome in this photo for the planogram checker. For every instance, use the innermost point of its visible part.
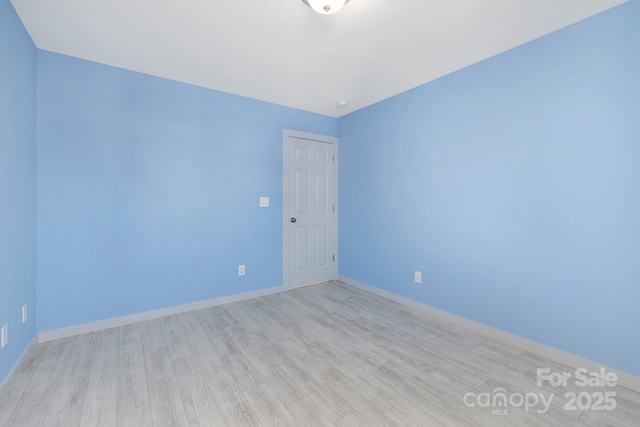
(326, 7)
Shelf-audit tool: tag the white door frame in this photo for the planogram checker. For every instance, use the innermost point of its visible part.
(286, 198)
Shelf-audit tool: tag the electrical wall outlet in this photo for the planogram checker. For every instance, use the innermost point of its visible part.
(264, 202)
(241, 270)
(24, 314)
(417, 276)
(4, 336)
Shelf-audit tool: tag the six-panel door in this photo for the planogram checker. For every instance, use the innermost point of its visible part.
(311, 210)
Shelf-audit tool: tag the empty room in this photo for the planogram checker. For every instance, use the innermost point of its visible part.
(319, 213)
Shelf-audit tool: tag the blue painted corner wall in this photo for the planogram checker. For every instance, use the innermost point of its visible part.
(514, 186)
(148, 191)
(17, 185)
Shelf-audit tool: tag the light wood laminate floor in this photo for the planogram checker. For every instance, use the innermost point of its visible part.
(324, 355)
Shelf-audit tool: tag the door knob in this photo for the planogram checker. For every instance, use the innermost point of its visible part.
(293, 220)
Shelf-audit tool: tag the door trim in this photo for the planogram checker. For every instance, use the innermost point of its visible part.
(286, 197)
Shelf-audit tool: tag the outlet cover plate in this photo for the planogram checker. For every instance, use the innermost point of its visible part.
(4, 336)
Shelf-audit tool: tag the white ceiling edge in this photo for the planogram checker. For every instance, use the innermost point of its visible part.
(284, 53)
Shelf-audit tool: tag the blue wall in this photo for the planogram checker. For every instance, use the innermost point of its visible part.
(148, 191)
(17, 184)
(514, 186)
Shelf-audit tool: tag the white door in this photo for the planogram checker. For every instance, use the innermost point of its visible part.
(309, 208)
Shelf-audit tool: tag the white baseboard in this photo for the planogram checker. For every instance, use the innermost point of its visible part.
(575, 362)
(26, 354)
(114, 322)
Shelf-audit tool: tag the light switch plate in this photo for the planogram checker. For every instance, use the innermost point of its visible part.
(264, 202)
(24, 314)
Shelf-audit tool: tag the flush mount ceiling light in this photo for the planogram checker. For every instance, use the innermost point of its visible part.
(326, 7)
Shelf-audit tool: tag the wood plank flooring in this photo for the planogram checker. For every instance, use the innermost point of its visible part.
(325, 355)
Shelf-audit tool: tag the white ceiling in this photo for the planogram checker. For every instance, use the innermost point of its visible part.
(281, 51)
